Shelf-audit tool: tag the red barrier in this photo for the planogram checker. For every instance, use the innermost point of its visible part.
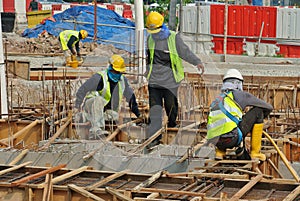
(126, 7)
(110, 7)
(292, 51)
(244, 20)
(234, 45)
(9, 6)
(127, 14)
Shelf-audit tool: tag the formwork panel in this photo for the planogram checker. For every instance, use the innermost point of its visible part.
(288, 23)
(196, 19)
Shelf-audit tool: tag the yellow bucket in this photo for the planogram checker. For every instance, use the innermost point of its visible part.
(74, 64)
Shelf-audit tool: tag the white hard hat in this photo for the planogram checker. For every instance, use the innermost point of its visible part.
(233, 73)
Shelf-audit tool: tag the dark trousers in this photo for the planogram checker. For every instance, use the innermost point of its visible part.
(159, 97)
(229, 140)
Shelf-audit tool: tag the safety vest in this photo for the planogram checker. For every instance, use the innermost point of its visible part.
(218, 122)
(105, 92)
(176, 62)
(65, 37)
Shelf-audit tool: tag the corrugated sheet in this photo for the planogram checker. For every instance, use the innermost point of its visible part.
(288, 23)
(244, 20)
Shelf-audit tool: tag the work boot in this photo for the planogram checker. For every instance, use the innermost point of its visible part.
(256, 142)
(219, 154)
(68, 61)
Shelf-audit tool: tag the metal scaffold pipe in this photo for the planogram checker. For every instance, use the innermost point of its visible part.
(139, 36)
(3, 89)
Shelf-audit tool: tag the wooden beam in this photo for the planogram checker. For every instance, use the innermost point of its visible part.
(48, 188)
(283, 157)
(106, 180)
(2, 172)
(69, 174)
(149, 181)
(117, 194)
(56, 135)
(159, 190)
(293, 195)
(246, 188)
(19, 157)
(84, 193)
(37, 175)
(22, 131)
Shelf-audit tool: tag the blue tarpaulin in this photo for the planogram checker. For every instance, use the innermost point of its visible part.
(112, 28)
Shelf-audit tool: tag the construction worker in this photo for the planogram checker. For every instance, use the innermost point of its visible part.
(101, 95)
(33, 6)
(70, 39)
(227, 126)
(164, 71)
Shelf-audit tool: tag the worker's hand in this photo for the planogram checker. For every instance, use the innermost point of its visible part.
(200, 68)
(78, 54)
(73, 52)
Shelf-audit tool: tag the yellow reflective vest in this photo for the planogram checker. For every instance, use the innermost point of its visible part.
(105, 92)
(218, 122)
(65, 37)
(176, 61)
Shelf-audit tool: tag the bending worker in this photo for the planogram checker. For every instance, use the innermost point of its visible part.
(70, 39)
(227, 127)
(164, 71)
(101, 95)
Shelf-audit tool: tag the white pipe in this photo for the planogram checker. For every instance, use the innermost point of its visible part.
(3, 94)
(139, 37)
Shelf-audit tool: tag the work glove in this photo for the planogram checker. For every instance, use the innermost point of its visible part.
(73, 52)
(78, 54)
(200, 68)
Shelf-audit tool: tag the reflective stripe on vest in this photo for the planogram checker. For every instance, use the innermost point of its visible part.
(218, 123)
(105, 92)
(65, 37)
(176, 61)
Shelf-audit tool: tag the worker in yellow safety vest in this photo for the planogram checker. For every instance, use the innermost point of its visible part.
(100, 96)
(227, 125)
(165, 71)
(69, 39)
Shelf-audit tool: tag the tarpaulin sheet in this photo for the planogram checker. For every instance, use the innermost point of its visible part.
(112, 28)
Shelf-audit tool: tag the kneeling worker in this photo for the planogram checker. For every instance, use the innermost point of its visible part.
(227, 126)
(101, 95)
(70, 39)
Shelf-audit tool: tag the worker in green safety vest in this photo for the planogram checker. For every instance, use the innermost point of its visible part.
(99, 98)
(227, 125)
(69, 40)
(165, 71)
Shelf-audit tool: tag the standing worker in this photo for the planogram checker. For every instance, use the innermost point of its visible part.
(227, 127)
(33, 6)
(101, 95)
(165, 71)
(68, 39)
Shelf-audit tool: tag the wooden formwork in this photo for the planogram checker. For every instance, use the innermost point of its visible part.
(216, 182)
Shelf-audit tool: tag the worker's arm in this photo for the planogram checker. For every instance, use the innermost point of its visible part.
(95, 83)
(245, 99)
(186, 54)
(131, 99)
(70, 44)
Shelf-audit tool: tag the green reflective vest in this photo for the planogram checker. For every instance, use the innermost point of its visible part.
(218, 123)
(176, 62)
(105, 92)
(65, 37)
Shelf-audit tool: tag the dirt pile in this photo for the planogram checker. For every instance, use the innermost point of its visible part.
(49, 44)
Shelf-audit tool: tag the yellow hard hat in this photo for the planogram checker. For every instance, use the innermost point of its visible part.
(117, 63)
(84, 33)
(154, 22)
